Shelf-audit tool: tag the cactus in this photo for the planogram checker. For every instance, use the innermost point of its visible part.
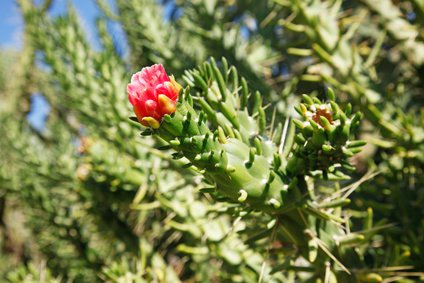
(232, 148)
(221, 131)
(83, 200)
(324, 140)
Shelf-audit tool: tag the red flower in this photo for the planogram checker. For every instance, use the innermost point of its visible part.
(153, 94)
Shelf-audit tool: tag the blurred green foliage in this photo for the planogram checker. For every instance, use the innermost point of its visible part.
(88, 200)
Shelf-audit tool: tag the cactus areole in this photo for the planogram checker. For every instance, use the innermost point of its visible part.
(153, 94)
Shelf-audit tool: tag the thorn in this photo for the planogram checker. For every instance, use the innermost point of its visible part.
(325, 123)
(303, 109)
(132, 118)
(308, 100)
(334, 107)
(275, 203)
(187, 165)
(152, 122)
(314, 124)
(347, 152)
(219, 79)
(327, 147)
(201, 117)
(298, 123)
(316, 100)
(252, 152)
(271, 177)
(229, 131)
(230, 169)
(237, 134)
(348, 109)
(242, 196)
(146, 132)
(244, 93)
(357, 117)
(277, 161)
(258, 146)
(299, 139)
(221, 135)
(165, 147)
(174, 142)
(177, 155)
(167, 118)
(330, 94)
(257, 102)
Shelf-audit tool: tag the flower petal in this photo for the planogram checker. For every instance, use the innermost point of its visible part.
(166, 105)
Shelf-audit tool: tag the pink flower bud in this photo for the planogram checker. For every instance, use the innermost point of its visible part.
(153, 94)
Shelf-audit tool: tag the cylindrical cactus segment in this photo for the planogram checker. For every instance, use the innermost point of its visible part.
(220, 127)
(237, 170)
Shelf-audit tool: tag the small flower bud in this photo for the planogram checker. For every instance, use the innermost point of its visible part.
(153, 94)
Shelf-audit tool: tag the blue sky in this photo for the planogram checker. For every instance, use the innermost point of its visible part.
(11, 28)
(11, 24)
